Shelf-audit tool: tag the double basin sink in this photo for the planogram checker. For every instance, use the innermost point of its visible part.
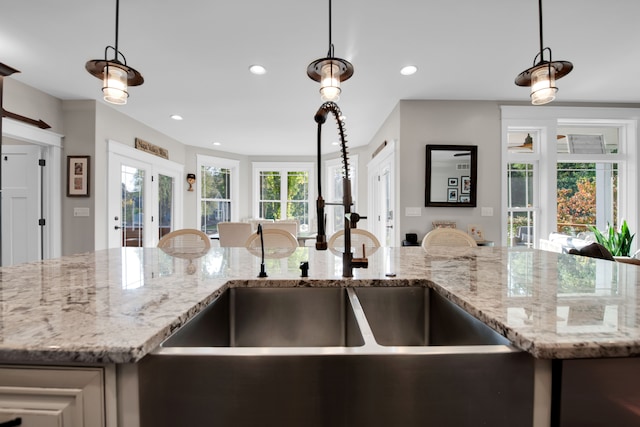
(357, 356)
(332, 317)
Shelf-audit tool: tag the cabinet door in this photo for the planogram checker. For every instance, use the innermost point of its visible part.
(61, 397)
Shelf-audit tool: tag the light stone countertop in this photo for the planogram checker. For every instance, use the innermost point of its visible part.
(115, 306)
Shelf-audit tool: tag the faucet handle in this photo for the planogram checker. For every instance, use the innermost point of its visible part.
(304, 266)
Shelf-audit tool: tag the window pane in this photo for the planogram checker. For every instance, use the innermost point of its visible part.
(215, 183)
(165, 204)
(298, 185)
(520, 188)
(215, 197)
(270, 210)
(588, 139)
(521, 228)
(132, 181)
(214, 212)
(587, 195)
(270, 185)
(523, 141)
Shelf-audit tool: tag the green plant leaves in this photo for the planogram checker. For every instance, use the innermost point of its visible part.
(616, 242)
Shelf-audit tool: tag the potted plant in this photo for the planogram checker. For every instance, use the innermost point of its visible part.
(618, 242)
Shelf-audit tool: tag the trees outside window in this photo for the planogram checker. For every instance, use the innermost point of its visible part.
(284, 191)
(217, 186)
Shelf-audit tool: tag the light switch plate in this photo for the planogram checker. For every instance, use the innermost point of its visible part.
(487, 211)
(413, 211)
(80, 211)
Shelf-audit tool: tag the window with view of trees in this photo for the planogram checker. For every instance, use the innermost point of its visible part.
(283, 191)
(563, 175)
(217, 191)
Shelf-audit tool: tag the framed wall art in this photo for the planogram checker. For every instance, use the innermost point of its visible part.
(78, 176)
(452, 195)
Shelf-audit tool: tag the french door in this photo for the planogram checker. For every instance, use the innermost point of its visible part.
(144, 198)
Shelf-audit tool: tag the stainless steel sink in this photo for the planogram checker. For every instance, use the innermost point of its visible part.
(417, 316)
(273, 317)
(317, 357)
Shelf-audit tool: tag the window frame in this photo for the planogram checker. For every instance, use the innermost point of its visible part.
(547, 120)
(283, 168)
(222, 163)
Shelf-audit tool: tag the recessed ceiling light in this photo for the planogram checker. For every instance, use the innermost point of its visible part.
(257, 69)
(176, 117)
(217, 143)
(408, 70)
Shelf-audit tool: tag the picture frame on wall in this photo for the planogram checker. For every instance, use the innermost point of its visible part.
(464, 198)
(452, 194)
(453, 182)
(78, 168)
(465, 187)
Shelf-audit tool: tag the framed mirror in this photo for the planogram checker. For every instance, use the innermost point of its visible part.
(451, 174)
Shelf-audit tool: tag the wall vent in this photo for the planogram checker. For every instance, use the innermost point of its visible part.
(463, 166)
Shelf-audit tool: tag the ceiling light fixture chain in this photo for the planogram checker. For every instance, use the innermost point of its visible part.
(542, 75)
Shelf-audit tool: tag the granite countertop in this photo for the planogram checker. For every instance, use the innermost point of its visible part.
(115, 306)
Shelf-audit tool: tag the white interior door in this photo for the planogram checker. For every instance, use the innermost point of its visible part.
(382, 201)
(20, 204)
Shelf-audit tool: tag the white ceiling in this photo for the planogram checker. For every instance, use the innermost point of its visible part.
(195, 54)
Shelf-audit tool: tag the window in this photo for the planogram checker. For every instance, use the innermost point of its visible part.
(334, 192)
(284, 191)
(218, 192)
(567, 168)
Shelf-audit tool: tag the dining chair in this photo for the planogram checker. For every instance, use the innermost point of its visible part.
(359, 237)
(233, 233)
(273, 238)
(185, 241)
(255, 221)
(290, 226)
(447, 237)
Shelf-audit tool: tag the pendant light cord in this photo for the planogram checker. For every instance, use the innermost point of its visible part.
(117, 19)
(540, 20)
(330, 52)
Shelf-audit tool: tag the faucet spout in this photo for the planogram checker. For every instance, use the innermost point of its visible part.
(350, 219)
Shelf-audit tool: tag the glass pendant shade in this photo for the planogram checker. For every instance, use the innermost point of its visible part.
(543, 88)
(330, 82)
(115, 85)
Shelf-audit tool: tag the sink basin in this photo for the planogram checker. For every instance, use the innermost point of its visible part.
(416, 316)
(273, 317)
(339, 357)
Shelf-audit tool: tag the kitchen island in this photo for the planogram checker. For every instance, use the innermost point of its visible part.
(104, 312)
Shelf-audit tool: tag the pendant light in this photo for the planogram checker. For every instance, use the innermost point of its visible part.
(330, 71)
(114, 73)
(542, 76)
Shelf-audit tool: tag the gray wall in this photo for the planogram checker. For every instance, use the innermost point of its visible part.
(449, 122)
(412, 124)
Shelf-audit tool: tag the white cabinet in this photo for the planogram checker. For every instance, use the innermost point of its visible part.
(53, 396)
